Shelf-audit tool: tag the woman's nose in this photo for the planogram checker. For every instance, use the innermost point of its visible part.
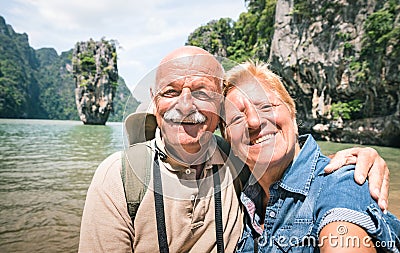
(253, 118)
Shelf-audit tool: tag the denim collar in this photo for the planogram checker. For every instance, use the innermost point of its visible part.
(296, 179)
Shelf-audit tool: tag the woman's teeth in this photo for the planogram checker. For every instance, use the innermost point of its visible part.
(261, 139)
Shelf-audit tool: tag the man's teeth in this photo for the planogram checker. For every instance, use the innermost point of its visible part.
(184, 122)
(263, 138)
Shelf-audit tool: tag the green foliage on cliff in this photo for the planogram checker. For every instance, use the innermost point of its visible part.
(381, 35)
(248, 37)
(88, 63)
(18, 82)
(39, 84)
(56, 86)
(346, 110)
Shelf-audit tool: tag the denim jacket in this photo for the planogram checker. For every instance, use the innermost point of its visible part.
(305, 200)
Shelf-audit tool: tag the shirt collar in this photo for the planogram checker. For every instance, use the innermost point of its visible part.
(298, 176)
(213, 155)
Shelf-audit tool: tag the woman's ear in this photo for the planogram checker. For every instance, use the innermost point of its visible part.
(221, 126)
(296, 127)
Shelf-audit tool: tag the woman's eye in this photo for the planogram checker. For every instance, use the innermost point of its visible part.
(236, 119)
(266, 107)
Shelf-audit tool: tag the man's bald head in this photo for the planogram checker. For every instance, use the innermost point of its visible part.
(188, 61)
(184, 52)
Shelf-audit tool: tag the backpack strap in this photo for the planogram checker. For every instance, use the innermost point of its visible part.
(159, 206)
(135, 174)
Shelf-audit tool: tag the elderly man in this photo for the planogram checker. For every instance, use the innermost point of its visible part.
(190, 178)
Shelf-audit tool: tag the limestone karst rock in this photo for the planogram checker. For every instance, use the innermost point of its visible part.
(332, 52)
(96, 78)
(339, 60)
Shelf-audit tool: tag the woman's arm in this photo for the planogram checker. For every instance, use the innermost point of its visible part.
(345, 237)
(369, 164)
(342, 201)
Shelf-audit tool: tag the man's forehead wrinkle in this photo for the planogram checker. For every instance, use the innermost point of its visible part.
(170, 74)
(193, 66)
(194, 81)
(188, 61)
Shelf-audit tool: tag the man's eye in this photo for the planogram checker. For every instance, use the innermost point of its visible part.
(170, 93)
(201, 95)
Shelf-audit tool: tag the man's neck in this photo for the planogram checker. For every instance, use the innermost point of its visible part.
(199, 169)
(186, 155)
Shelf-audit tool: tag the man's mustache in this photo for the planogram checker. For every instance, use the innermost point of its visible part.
(176, 116)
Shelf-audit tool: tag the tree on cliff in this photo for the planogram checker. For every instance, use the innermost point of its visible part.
(248, 37)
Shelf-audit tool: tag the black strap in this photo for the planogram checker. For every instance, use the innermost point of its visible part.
(256, 245)
(160, 215)
(218, 211)
(159, 204)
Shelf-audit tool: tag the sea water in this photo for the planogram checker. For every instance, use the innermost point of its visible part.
(46, 167)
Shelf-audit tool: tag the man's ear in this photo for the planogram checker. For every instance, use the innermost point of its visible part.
(151, 93)
(152, 107)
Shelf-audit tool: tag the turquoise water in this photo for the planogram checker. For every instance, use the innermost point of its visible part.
(392, 158)
(46, 168)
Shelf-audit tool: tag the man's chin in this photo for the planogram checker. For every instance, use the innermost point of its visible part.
(182, 139)
(180, 145)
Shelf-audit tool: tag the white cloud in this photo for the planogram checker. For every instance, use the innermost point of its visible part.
(146, 30)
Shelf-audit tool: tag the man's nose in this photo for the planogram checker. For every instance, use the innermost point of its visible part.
(185, 102)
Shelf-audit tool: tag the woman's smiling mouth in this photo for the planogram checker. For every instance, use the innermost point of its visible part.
(262, 139)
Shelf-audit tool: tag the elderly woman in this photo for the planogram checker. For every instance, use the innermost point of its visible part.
(291, 204)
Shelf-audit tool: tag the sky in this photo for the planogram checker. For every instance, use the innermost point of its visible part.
(145, 30)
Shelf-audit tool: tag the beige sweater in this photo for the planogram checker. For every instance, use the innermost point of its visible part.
(189, 210)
